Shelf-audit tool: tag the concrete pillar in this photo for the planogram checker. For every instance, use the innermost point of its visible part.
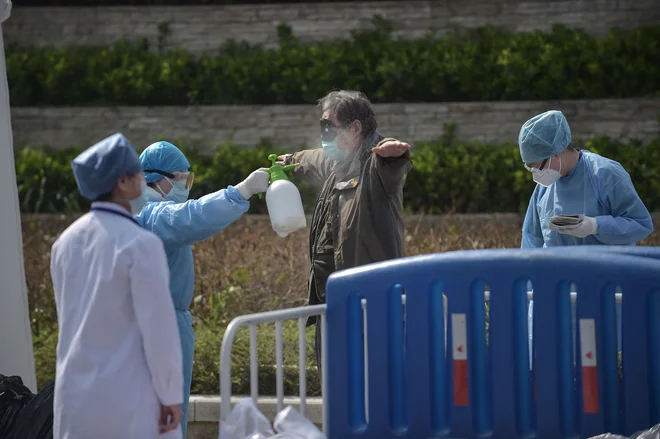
(16, 356)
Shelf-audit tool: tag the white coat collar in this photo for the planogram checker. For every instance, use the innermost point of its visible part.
(111, 206)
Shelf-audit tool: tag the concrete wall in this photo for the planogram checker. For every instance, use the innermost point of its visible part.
(203, 28)
(297, 126)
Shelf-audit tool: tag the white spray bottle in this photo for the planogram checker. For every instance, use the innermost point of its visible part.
(283, 200)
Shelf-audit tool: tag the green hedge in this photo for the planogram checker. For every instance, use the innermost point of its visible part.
(486, 64)
(448, 175)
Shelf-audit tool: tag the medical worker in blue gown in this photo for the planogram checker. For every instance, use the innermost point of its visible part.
(572, 182)
(180, 222)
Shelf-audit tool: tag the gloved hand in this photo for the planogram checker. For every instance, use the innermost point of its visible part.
(588, 226)
(255, 183)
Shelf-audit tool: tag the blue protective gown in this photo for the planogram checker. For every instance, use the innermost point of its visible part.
(597, 187)
(179, 225)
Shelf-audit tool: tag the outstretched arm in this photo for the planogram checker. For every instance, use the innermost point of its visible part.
(390, 165)
(179, 224)
(313, 166)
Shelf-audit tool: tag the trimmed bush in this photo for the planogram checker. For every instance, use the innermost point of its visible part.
(485, 64)
(448, 175)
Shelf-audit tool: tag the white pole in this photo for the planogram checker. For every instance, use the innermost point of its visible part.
(16, 356)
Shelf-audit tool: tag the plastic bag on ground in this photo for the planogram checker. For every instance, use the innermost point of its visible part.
(245, 421)
(608, 436)
(13, 397)
(35, 420)
(651, 433)
(290, 424)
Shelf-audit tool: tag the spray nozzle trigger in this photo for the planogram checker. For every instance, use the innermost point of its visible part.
(277, 171)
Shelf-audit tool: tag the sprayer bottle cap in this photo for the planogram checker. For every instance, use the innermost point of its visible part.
(276, 171)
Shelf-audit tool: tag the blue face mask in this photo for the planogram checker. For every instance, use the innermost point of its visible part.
(331, 150)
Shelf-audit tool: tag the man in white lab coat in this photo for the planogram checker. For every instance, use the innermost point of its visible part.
(119, 367)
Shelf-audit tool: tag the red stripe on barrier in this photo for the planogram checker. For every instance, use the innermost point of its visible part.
(590, 389)
(589, 361)
(460, 357)
(460, 383)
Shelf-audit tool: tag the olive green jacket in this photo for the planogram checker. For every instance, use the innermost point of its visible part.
(358, 217)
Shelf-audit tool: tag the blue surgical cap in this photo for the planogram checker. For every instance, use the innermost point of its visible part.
(162, 156)
(98, 168)
(544, 136)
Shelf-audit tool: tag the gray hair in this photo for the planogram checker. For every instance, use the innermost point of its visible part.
(349, 106)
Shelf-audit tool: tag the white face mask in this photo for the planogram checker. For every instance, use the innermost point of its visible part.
(153, 195)
(178, 193)
(547, 176)
(138, 204)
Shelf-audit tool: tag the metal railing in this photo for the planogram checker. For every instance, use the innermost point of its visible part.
(278, 317)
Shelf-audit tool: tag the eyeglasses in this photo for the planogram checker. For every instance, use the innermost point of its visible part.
(329, 130)
(188, 176)
(533, 166)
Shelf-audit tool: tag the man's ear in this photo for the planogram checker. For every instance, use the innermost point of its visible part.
(356, 128)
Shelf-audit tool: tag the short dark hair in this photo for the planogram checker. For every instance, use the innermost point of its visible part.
(349, 106)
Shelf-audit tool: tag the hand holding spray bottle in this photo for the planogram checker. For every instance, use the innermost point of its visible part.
(283, 201)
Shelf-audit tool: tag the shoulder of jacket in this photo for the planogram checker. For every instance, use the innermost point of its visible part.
(142, 242)
(146, 236)
(603, 167)
(75, 229)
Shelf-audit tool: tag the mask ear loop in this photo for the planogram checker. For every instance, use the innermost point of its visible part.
(160, 190)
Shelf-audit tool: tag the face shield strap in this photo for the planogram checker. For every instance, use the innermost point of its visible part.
(188, 176)
(540, 168)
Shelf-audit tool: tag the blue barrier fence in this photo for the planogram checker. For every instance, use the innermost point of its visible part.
(483, 387)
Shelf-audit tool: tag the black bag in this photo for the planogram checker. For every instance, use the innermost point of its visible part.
(13, 397)
(35, 421)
